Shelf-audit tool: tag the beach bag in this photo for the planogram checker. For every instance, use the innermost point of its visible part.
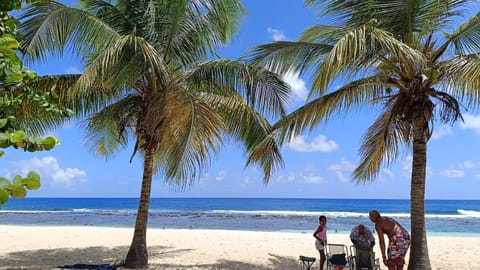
(338, 259)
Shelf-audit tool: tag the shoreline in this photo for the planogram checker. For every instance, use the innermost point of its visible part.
(340, 232)
(46, 247)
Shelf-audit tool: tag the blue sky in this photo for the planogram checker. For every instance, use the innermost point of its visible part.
(317, 164)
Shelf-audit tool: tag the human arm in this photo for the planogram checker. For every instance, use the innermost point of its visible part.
(353, 237)
(371, 239)
(315, 234)
(381, 240)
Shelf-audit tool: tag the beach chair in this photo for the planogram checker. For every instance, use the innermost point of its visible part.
(363, 259)
(306, 262)
(338, 257)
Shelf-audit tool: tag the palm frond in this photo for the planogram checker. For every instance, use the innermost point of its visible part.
(404, 18)
(462, 78)
(466, 37)
(321, 109)
(264, 90)
(287, 56)
(109, 130)
(356, 51)
(56, 91)
(323, 34)
(381, 143)
(50, 26)
(187, 138)
(251, 128)
(119, 67)
(188, 31)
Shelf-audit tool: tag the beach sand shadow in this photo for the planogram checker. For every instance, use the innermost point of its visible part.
(52, 258)
(276, 262)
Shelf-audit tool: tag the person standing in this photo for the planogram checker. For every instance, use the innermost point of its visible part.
(321, 239)
(399, 240)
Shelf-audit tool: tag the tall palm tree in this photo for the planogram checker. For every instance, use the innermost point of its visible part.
(401, 56)
(148, 78)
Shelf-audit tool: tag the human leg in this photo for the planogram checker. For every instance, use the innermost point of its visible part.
(322, 258)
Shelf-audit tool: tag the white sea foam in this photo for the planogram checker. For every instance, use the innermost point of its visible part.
(469, 213)
(462, 214)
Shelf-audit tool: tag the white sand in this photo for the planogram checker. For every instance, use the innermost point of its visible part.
(36, 247)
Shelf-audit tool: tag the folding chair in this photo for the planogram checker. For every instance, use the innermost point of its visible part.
(364, 259)
(306, 262)
(338, 257)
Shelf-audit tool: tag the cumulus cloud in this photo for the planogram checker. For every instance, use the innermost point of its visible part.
(319, 144)
(275, 34)
(221, 176)
(298, 85)
(49, 168)
(471, 122)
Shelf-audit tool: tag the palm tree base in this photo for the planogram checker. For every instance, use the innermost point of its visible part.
(137, 257)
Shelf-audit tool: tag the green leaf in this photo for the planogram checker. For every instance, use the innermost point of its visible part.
(7, 41)
(33, 175)
(17, 180)
(18, 191)
(3, 122)
(17, 136)
(3, 196)
(49, 143)
(4, 182)
(31, 183)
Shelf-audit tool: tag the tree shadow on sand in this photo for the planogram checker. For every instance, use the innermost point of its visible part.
(276, 262)
(52, 258)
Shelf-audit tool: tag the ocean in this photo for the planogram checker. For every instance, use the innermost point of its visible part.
(448, 217)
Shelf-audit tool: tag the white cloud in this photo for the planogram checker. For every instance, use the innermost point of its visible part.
(471, 122)
(313, 179)
(341, 176)
(289, 178)
(221, 176)
(344, 165)
(468, 164)
(477, 176)
(342, 169)
(275, 34)
(73, 70)
(319, 144)
(247, 181)
(49, 169)
(454, 173)
(441, 132)
(298, 85)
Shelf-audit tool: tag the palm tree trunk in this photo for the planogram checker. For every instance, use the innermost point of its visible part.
(137, 256)
(419, 250)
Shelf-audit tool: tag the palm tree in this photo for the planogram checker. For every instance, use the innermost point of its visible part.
(393, 55)
(148, 78)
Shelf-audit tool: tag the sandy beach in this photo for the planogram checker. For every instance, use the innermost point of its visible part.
(42, 247)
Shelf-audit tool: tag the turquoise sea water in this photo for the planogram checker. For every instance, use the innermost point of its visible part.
(443, 217)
